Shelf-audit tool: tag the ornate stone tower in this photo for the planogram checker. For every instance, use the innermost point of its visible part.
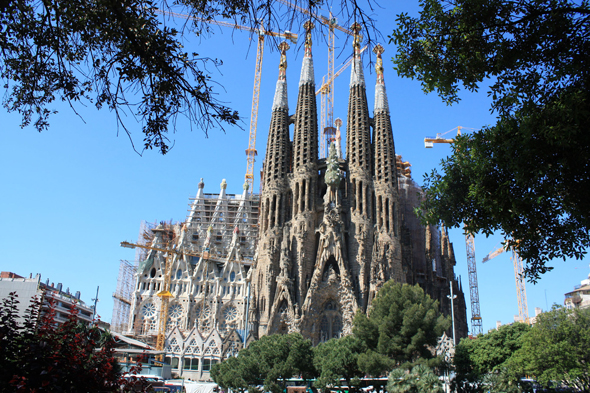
(331, 229)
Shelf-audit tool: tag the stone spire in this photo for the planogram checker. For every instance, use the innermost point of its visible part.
(304, 183)
(385, 170)
(358, 146)
(280, 100)
(276, 165)
(358, 155)
(357, 77)
(307, 75)
(388, 246)
(305, 134)
(381, 103)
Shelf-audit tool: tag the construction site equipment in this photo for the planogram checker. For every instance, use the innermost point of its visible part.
(122, 297)
(476, 320)
(327, 89)
(523, 308)
(262, 33)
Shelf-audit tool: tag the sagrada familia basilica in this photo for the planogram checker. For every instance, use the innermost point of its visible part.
(308, 252)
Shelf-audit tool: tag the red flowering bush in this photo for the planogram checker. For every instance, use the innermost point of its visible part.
(39, 355)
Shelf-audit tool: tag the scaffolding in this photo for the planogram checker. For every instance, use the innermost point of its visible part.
(223, 215)
(122, 297)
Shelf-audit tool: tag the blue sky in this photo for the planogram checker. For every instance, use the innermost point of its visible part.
(73, 193)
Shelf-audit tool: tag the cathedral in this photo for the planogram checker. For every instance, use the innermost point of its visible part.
(308, 252)
(332, 231)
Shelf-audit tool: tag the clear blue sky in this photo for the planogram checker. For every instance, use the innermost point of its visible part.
(71, 194)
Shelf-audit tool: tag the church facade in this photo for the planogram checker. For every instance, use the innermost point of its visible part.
(334, 230)
(308, 252)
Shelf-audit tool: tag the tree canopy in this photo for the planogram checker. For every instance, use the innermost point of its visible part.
(401, 326)
(555, 351)
(270, 361)
(526, 175)
(420, 379)
(337, 359)
(121, 55)
(476, 359)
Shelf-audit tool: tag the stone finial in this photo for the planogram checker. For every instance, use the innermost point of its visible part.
(308, 26)
(283, 47)
(378, 50)
(246, 186)
(223, 184)
(356, 43)
(357, 76)
(201, 184)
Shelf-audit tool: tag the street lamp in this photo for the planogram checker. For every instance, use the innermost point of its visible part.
(452, 297)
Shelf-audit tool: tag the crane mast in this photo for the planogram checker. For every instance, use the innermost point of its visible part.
(476, 320)
(521, 298)
(251, 150)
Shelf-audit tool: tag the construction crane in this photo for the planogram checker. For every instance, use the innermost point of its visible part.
(164, 294)
(327, 89)
(262, 33)
(523, 308)
(476, 320)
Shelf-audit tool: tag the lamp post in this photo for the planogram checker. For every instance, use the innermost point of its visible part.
(452, 297)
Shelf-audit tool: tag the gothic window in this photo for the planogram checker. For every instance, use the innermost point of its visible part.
(174, 315)
(148, 316)
(193, 348)
(178, 274)
(232, 276)
(331, 322)
(230, 319)
(173, 346)
(203, 318)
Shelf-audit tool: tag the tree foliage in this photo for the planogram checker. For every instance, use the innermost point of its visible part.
(527, 175)
(555, 351)
(337, 359)
(402, 325)
(270, 361)
(37, 356)
(420, 379)
(121, 55)
(483, 361)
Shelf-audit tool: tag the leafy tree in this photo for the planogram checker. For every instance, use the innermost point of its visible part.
(526, 175)
(421, 379)
(402, 324)
(228, 374)
(120, 55)
(483, 360)
(337, 359)
(271, 360)
(38, 356)
(556, 350)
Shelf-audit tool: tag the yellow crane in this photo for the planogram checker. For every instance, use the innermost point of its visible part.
(262, 33)
(476, 320)
(327, 88)
(164, 294)
(523, 308)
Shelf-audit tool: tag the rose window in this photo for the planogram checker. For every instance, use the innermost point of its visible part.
(175, 311)
(148, 310)
(230, 313)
